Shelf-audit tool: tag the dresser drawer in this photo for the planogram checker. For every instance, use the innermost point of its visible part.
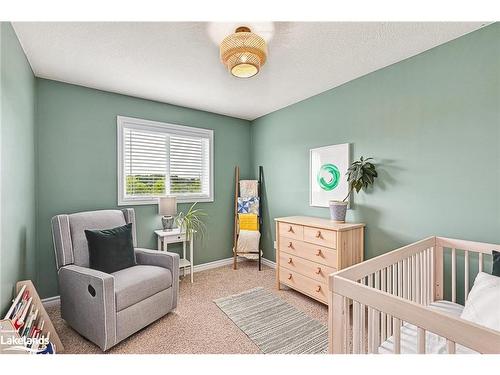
(305, 267)
(324, 237)
(291, 231)
(314, 253)
(304, 284)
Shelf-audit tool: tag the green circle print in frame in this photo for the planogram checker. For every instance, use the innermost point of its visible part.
(328, 177)
(327, 174)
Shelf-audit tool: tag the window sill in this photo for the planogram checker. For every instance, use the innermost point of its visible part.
(154, 201)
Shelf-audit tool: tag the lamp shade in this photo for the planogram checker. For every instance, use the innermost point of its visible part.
(167, 206)
(243, 53)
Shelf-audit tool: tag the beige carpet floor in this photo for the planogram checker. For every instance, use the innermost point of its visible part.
(197, 325)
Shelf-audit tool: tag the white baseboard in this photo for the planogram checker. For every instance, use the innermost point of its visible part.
(225, 262)
(210, 265)
(268, 263)
(50, 301)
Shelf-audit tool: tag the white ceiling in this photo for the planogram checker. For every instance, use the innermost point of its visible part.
(178, 62)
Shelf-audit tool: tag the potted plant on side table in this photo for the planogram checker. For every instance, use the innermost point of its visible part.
(191, 222)
(360, 175)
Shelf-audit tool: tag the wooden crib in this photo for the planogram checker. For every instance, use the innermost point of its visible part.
(374, 299)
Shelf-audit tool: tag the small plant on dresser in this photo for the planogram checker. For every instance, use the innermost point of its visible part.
(360, 175)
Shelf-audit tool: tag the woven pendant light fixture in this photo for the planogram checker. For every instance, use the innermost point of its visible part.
(243, 53)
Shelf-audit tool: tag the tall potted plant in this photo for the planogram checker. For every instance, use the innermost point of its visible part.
(360, 175)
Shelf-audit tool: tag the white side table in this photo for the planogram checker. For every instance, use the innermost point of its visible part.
(174, 236)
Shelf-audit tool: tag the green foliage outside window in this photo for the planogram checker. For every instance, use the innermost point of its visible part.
(155, 185)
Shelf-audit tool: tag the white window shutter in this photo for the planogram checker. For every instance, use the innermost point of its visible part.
(145, 162)
(158, 159)
(187, 166)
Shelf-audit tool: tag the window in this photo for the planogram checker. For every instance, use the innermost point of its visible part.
(156, 159)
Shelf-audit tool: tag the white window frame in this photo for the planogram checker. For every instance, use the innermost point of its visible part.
(163, 127)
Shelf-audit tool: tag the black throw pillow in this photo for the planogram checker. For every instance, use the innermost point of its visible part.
(111, 250)
(496, 263)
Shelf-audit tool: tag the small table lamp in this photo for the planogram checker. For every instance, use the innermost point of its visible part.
(167, 206)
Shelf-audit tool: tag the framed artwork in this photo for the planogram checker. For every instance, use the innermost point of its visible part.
(327, 169)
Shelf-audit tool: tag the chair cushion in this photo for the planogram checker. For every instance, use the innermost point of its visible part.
(136, 283)
(80, 221)
(111, 250)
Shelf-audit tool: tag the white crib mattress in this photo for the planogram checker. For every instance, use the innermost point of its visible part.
(434, 344)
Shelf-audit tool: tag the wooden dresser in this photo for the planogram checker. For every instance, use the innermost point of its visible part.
(308, 249)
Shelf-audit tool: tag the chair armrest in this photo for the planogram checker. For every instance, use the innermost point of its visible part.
(157, 258)
(88, 303)
(163, 259)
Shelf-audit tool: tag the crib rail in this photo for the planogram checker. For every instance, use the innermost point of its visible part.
(374, 298)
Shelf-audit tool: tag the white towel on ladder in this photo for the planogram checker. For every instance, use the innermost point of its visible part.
(248, 240)
(249, 188)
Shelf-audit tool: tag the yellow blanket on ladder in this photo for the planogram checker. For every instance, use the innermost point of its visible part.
(248, 222)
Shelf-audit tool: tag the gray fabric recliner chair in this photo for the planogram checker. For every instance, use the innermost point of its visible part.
(107, 308)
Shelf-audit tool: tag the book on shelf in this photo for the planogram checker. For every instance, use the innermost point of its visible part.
(28, 319)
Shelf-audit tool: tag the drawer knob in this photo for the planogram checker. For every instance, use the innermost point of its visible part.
(289, 276)
(290, 245)
(318, 252)
(318, 234)
(290, 229)
(318, 288)
(290, 260)
(318, 270)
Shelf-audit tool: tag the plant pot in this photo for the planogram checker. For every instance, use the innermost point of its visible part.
(338, 210)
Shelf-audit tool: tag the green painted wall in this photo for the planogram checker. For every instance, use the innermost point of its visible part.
(433, 124)
(18, 208)
(77, 165)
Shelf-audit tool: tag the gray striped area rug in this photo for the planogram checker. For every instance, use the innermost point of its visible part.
(273, 325)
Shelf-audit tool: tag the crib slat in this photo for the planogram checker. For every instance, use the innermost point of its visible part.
(395, 279)
(466, 275)
(400, 279)
(376, 330)
(363, 329)
(413, 279)
(417, 281)
(405, 278)
(428, 277)
(397, 335)
(480, 261)
(431, 270)
(356, 327)
(422, 277)
(383, 317)
(362, 312)
(347, 325)
(369, 317)
(420, 340)
(450, 346)
(453, 275)
(370, 330)
(390, 291)
(438, 273)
